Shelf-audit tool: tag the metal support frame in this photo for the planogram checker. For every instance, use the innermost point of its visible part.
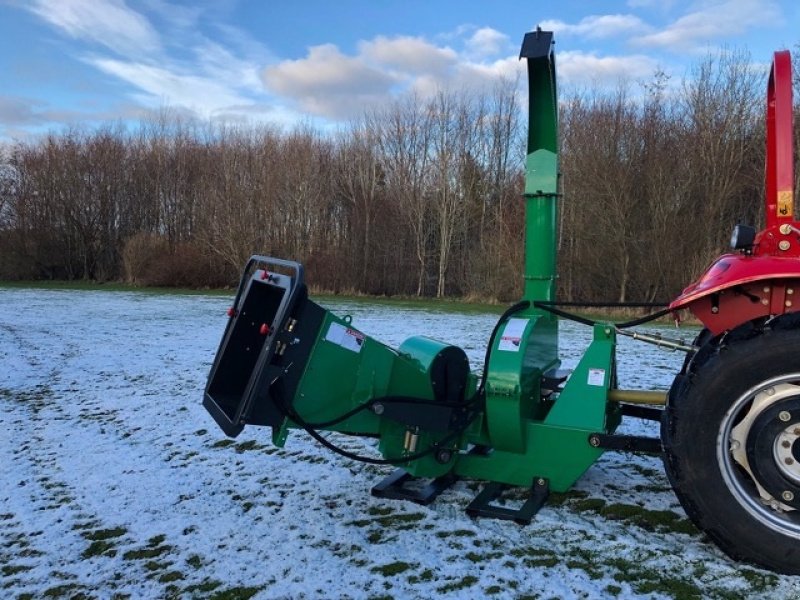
(482, 505)
(393, 486)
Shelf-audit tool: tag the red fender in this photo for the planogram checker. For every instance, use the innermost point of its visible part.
(737, 288)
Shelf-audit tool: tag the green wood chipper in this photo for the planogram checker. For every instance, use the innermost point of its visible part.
(730, 424)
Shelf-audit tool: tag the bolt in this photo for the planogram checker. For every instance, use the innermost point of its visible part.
(378, 409)
(788, 496)
(540, 482)
(784, 245)
(796, 431)
(444, 456)
(789, 291)
(788, 303)
(594, 441)
(770, 391)
(784, 415)
(766, 289)
(788, 461)
(735, 445)
(786, 444)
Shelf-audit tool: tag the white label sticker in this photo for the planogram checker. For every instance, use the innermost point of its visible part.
(596, 377)
(511, 339)
(345, 337)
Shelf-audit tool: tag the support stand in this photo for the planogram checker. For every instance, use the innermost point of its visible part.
(393, 487)
(482, 505)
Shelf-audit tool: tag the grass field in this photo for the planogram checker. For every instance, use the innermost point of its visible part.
(115, 482)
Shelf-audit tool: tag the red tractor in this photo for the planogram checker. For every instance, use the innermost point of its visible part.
(731, 428)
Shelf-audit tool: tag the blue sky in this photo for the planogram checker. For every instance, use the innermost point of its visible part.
(67, 62)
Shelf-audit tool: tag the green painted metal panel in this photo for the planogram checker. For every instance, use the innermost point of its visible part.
(346, 369)
(582, 403)
(540, 249)
(541, 173)
(524, 349)
(560, 455)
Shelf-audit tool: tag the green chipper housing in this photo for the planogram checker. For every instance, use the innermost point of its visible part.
(287, 363)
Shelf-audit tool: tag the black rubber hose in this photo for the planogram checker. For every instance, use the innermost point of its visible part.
(551, 308)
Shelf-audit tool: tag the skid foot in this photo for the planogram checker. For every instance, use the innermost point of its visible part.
(482, 505)
(393, 487)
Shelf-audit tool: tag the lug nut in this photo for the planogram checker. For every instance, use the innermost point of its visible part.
(784, 415)
(788, 461)
(788, 496)
(786, 444)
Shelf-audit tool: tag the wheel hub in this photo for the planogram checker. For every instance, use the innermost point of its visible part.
(787, 453)
(766, 443)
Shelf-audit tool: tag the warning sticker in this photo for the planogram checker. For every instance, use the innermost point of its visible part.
(345, 337)
(511, 339)
(596, 377)
(785, 201)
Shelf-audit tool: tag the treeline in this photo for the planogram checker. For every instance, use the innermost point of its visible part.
(422, 197)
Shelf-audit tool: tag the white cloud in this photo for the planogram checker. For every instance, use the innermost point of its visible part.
(409, 54)
(217, 63)
(712, 21)
(161, 85)
(469, 76)
(598, 26)
(487, 42)
(334, 85)
(107, 22)
(327, 82)
(327, 69)
(581, 68)
(176, 66)
(179, 16)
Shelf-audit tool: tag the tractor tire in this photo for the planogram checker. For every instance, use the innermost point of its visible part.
(701, 341)
(731, 439)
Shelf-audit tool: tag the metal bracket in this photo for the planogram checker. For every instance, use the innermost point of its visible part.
(481, 506)
(625, 443)
(393, 487)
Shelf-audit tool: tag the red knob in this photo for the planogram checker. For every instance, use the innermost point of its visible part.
(264, 329)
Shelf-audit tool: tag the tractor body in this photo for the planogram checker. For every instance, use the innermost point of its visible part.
(759, 280)
(287, 363)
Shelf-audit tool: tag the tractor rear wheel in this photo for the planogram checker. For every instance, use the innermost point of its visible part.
(731, 437)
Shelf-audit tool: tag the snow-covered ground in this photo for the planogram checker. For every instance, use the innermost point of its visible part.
(117, 483)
